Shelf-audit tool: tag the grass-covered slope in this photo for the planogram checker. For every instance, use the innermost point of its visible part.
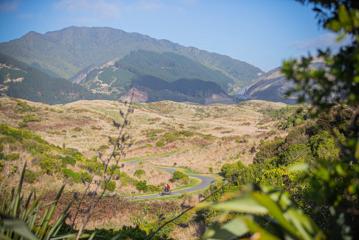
(22, 81)
(18, 144)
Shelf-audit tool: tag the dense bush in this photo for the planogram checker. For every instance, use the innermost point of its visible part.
(173, 136)
(28, 118)
(22, 107)
(11, 156)
(142, 186)
(50, 165)
(268, 149)
(110, 186)
(324, 147)
(139, 173)
(76, 177)
(93, 166)
(178, 175)
(30, 176)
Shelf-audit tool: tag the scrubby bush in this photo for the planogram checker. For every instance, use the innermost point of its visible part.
(30, 176)
(296, 152)
(86, 177)
(268, 149)
(68, 160)
(160, 143)
(153, 133)
(324, 147)
(142, 186)
(139, 173)
(77, 129)
(93, 166)
(71, 175)
(50, 165)
(22, 107)
(11, 156)
(30, 118)
(77, 177)
(110, 186)
(173, 136)
(178, 175)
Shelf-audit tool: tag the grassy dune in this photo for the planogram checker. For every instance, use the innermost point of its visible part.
(201, 138)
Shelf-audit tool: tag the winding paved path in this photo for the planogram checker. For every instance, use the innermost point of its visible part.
(206, 181)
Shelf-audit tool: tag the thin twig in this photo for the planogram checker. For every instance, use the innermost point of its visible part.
(119, 145)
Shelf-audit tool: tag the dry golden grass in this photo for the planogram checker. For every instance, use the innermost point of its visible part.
(202, 138)
(213, 134)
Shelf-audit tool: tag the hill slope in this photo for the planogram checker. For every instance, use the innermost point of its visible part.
(151, 89)
(68, 51)
(22, 81)
(115, 77)
(271, 86)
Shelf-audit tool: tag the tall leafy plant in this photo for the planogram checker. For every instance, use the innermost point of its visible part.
(26, 217)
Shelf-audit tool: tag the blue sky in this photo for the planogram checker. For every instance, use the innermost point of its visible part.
(260, 32)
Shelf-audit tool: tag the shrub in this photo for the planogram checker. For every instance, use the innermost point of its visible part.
(324, 147)
(30, 176)
(30, 118)
(268, 149)
(139, 173)
(178, 175)
(68, 160)
(77, 129)
(237, 173)
(93, 166)
(86, 177)
(153, 133)
(295, 152)
(71, 175)
(49, 164)
(77, 177)
(22, 107)
(12, 156)
(110, 186)
(170, 137)
(142, 186)
(160, 143)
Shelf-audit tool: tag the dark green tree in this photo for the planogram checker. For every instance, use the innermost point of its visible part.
(332, 87)
(329, 81)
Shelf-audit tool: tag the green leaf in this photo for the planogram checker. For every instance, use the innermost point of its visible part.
(274, 211)
(245, 204)
(19, 227)
(298, 167)
(258, 230)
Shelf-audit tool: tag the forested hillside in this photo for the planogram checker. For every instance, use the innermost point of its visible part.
(66, 52)
(22, 81)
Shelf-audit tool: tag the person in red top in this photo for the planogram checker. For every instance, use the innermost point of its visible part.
(167, 188)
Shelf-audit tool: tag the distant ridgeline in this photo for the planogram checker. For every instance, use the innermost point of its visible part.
(272, 86)
(110, 63)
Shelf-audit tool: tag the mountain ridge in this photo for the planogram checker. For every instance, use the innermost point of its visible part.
(51, 51)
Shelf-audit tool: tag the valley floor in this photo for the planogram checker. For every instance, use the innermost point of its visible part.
(198, 139)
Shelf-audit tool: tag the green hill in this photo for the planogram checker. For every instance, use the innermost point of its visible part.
(117, 77)
(22, 81)
(65, 52)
